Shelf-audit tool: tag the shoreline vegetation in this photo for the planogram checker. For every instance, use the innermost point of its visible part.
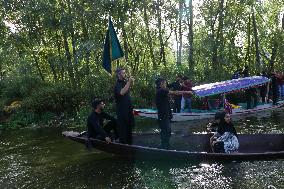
(51, 51)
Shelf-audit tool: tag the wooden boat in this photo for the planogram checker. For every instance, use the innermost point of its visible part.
(194, 147)
(223, 87)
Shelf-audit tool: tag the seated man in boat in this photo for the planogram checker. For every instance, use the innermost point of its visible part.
(226, 138)
(164, 110)
(213, 127)
(95, 122)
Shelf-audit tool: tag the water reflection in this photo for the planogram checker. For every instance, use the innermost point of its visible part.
(42, 158)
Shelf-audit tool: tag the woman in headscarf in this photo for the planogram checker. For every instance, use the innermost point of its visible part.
(226, 138)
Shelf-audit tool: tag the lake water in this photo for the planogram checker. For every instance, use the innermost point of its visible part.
(42, 158)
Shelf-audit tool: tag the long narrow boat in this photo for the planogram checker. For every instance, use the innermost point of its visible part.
(223, 87)
(190, 147)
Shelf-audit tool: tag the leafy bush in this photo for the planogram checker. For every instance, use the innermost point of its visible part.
(100, 85)
(20, 87)
(20, 119)
(56, 98)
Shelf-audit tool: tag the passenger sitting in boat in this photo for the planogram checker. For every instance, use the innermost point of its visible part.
(95, 121)
(226, 138)
(213, 127)
(228, 107)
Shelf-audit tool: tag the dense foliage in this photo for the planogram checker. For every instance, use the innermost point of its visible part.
(51, 50)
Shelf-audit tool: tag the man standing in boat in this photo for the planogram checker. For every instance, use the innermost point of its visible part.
(176, 86)
(124, 108)
(164, 110)
(95, 121)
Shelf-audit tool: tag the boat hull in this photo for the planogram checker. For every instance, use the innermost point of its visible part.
(252, 147)
(237, 113)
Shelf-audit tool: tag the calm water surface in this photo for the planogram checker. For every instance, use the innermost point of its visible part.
(42, 158)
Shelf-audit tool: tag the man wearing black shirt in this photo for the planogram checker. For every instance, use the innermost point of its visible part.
(246, 72)
(274, 88)
(95, 121)
(176, 86)
(124, 108)
(164, 110)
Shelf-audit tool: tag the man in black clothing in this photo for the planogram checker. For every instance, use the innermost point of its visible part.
(95, 121)
(164, 110)
(263, 89)
(263, 92)
(124, 108)
(176, 86)
(251, 93)
(274, 88)
(246, 72)
(214, 127)
(237, 74)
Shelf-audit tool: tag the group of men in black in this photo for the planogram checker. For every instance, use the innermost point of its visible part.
(266, 92)
(123, 125)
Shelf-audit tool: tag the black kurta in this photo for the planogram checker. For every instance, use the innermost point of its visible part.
(164, 116)
(163, 104)
(95, 125)
(124, 112)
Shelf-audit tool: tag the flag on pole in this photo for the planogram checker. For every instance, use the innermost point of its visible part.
(112, 48)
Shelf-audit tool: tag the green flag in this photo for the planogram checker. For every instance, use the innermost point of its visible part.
(112, 48)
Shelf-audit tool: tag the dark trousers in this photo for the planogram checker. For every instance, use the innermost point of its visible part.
(177, 104)
(165, 133)
(263, 92)
(249, 97)
(125, 130)
(111, 130)
(274, 96)
(263, 99)
(254, 96)
(109, 127)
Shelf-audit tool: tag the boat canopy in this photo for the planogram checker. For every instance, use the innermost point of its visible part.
(229, 86)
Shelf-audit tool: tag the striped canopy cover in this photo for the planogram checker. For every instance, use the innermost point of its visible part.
(229, 86)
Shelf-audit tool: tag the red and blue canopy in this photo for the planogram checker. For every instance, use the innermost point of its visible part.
(229, 86)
